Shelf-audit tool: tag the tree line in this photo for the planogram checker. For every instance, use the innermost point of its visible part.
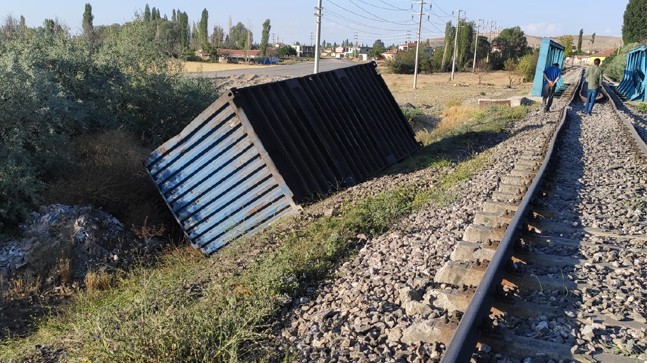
(505, 51)
(180, 38)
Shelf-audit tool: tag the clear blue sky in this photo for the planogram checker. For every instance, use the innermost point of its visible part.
(393, 21)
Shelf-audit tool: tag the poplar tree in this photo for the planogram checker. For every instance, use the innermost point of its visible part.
(634, 20)
(147, 14)
(88, 27)
(203, 30)
(265, 37)
(579, 42)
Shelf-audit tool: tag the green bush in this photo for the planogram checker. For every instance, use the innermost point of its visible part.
(614, 66)
(55, 88)
(527, 66)
(404, 63)
(642, 107)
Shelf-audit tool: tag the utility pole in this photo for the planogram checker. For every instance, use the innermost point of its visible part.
(476, 43)
(415, 67)
(492, 26)
(458, 21)
(318, 37)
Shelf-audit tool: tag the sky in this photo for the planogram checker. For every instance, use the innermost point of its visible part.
(362, 21)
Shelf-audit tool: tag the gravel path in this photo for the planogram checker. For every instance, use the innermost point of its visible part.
(378, 305)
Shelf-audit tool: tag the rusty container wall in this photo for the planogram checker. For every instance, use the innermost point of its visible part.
(217, 179)
(328, 130)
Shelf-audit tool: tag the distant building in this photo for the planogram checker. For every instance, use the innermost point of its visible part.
(238, 55)
(390, 54)
(406, 46)
(304, 51)
(587, 59)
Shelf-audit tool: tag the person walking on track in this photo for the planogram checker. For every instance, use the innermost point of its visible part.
(594, 80)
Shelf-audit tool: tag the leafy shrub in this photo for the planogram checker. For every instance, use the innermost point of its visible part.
(642, 107)
(614, 66)
(404, 63)
(527, 66)
(410, 113)
(55, 88)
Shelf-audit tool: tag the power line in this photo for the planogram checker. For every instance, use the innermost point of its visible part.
(362, 30)
(393, 8)
(435, 5)
(376, 18)
(355, 22)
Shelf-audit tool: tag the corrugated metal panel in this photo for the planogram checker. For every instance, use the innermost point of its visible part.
(218, 180)
(250, 156)
(550, 52)
(328, 130)
(634, 82)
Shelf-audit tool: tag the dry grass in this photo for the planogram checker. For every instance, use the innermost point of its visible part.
(454, 116)
(96, 281)
(64, 270)
(438, 91)
(21, 286)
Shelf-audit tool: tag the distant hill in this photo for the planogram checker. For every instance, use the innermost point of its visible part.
(602, 42)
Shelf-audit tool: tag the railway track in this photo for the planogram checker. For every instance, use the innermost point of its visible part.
(554, 266)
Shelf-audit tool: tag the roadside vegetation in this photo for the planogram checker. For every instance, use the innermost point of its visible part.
(191, 308)
(74, 107)
(511, 42)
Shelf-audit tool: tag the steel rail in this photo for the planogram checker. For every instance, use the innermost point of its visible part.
(461, 347)
(640, 143)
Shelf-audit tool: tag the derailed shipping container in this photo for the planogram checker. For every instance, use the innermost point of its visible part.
(633, 86)
(257, 152)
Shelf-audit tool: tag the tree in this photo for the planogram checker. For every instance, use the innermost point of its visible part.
(527, 66)
(378, 48)
(265, 37)
(567, 42)
(483, 47)
(203, 35)
(238, 37)
(449, 45)
(184, 32)
(217, 36)
(287, 51)
(155, 14)
(592, 38)
(634, 20)
(23, 25)
(511, 67)
(147, 14)
(512, 44)
(579, 42)
(88, 28)
(52, 26)
(482, 68)
(464, 45)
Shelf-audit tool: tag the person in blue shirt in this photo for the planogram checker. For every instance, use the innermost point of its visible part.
(551, 76)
